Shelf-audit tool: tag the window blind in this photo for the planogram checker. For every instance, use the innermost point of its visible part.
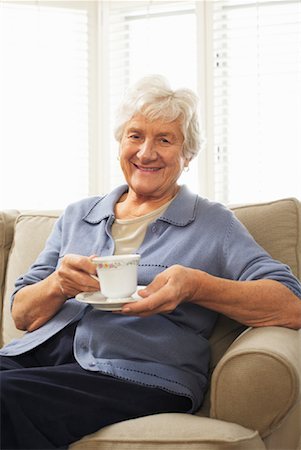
(44, 103)
(145, 38)
(257, 100)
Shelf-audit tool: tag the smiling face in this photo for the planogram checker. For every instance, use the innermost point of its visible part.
(151, 156)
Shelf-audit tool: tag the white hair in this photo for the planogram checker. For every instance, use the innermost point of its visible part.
(153, 98)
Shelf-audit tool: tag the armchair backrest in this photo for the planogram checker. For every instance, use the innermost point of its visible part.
(26, 234)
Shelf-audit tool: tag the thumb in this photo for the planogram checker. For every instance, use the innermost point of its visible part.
(158, 282)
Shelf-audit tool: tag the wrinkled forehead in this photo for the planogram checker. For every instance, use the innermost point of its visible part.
(156, 126)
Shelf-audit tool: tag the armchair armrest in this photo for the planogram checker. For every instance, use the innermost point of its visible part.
(257, 381)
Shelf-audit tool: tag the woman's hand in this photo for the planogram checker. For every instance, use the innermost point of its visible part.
(37, 303)
(254, 303)
(74, 275)
(168, 289)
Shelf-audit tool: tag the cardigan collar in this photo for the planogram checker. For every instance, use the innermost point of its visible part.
(180, 212)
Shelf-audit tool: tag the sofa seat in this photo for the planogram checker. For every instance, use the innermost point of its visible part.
(180, 432)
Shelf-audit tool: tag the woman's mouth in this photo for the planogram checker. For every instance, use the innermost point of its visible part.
(147, 168)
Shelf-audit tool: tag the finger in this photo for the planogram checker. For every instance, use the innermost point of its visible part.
(157, 302)
(75, 281)
(85, 281)
(93, 266)
(158, 282)
(95, 277)
(85, 264)
(79, 262)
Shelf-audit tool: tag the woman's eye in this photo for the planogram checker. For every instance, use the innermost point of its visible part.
(134, 137)
(164, 141)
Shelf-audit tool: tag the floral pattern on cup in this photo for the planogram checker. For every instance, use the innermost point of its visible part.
(116, 264)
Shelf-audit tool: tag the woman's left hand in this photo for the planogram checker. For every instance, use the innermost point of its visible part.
(168, 289)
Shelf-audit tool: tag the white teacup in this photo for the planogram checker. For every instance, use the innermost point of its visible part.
(117, 274)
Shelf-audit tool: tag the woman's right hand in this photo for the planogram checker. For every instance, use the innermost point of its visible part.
(36, 304)
(74, 275)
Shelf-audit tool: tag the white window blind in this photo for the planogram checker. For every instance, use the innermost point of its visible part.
(145, 38)
(44, 103)
(257, 100)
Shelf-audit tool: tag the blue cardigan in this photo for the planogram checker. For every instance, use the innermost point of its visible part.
(169, 351)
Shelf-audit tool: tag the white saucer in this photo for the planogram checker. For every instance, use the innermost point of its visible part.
(99, 301)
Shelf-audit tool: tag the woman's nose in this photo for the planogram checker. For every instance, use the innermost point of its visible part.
(147, 150)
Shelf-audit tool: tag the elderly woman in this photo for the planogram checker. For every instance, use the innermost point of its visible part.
(79, 369)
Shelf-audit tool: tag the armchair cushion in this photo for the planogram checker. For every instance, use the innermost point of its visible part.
(180, 432)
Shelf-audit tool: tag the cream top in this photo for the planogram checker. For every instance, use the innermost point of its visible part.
(128, 234)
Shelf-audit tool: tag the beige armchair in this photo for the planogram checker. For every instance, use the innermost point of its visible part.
(254, 401)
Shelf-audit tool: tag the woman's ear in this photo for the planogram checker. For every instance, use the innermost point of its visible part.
(186, 164)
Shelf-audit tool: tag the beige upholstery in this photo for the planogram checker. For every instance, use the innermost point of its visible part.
(254, 400)
(31, 231)
(276, 227)
(172, 432)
